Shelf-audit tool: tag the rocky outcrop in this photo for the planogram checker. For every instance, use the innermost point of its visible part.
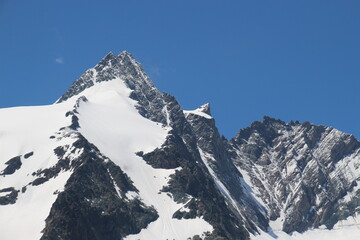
(192, 183)
(12, 165)
(301, 171)
(8, 196)
(215, 154)
(94, 204)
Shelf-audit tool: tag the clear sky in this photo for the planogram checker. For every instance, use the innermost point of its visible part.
(293, 60)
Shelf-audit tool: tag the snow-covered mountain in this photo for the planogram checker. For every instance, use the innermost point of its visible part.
(114, 158)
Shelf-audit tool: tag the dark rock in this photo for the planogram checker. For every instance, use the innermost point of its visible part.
(12, 165)
(10, 197)
(39, 181)
(219, 160)
(28, 155)
(90, 206)
(74, 122)
(170, 155)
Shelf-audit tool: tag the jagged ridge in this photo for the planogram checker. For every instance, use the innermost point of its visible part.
(299, 173)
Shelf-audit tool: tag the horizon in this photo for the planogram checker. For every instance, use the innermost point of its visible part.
(287, 60)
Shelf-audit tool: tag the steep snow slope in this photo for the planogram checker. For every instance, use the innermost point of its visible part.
(119, 131)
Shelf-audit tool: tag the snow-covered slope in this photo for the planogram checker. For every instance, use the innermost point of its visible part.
(25, 134)
(114, 158)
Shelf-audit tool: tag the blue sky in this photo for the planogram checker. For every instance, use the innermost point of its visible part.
(293, 60)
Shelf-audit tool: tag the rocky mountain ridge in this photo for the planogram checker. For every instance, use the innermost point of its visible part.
(121, 160)
(306, 174)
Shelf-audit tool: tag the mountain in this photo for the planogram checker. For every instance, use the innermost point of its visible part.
(115, 158)
(306, 176)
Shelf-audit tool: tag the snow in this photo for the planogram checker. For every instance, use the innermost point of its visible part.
(3, 194)
(31, 209)
(348, 229)
(110, 121)
(199, 111)
(24, 130)
(249, 186)
(131, 195)
(117, 189)
(28, 127)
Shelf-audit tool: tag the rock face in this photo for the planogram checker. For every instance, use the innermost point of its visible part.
(100, 210)
(8, 196)
(298, 173)
(12, 165)
(305, 174)
(215, 154)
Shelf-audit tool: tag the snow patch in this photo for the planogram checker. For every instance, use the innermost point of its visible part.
(199, 111)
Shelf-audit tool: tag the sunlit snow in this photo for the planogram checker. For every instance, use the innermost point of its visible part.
(110, 120)
(24, 130)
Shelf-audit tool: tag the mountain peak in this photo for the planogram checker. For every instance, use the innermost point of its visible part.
(125, 53)
(125, 68)
(110, 67)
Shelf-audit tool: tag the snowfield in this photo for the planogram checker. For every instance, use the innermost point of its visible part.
(24, 130)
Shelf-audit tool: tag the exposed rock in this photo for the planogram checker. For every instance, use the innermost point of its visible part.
(12, 165)
(90, 207)
(192, 182)
(218, 160)
(27, 155)
(10, 196)
(302, 170)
